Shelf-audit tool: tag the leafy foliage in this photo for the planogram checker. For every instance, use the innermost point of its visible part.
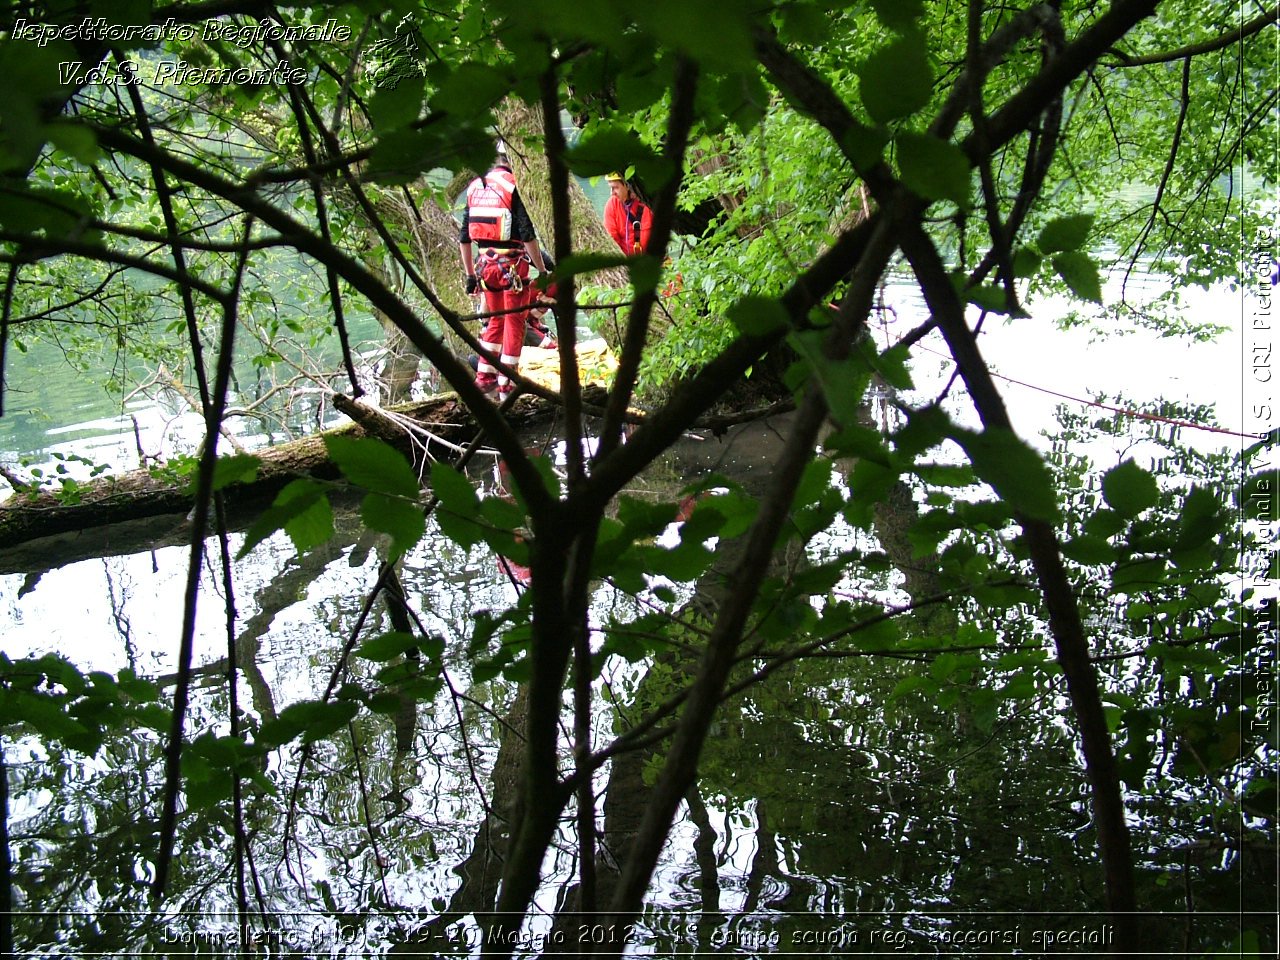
(797, 149)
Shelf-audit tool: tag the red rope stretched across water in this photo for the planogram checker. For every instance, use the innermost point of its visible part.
(1126, 411)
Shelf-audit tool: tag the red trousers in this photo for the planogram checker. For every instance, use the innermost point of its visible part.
(503, 335)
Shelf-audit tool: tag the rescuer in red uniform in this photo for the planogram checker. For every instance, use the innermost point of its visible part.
(496, 221)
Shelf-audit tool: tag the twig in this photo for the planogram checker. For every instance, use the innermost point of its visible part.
(1184, 101)
(200, 520)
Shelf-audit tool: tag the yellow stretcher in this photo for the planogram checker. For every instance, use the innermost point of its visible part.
(596, 365)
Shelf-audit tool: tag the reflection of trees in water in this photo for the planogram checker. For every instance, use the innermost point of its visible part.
(814, 791)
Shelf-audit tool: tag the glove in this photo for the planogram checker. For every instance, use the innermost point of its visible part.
(473, 285)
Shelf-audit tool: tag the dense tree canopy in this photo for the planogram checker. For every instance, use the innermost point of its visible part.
(173, 170)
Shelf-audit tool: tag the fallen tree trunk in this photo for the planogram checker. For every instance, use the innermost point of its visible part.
(440, 425)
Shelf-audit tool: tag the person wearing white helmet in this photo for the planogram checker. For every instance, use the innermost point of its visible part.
(496, 221)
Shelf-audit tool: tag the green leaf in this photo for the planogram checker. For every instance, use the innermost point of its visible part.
(814, 482)
(642, 519)
(637, 89)
(1129, 489)
(717, 33)
(386, 703)
(891, 365)
(1080, 274)
(401, 156)
(737, 508)
(1104, 523)
(78, 142)
(898, 14)
(459, 511)
(313, 719)
(1065, 233)
(857, 441)
(404, 521)
(1013, 469)
(924, 429)
(759, 316)
(240, 468)
(486, 670)
(368, 462)
(684, 563)
(1026, 262)
(454, 490)
(502, 513)
(912, 683)
(56, 214)
(843, 381)
(605, 148)
(935, 169)
(302, 510)
(864, 145)
(1139, 575)
(804, 24)
(896, 80)
(988, 297)
(396, 104)
(387, 646)
(581, 263)
(644, 271)
(1089, 550)
(1200, 520)
(470, 89)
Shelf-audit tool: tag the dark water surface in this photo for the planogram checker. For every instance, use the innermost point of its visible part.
(831, 816)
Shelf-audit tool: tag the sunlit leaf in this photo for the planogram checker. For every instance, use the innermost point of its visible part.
(1065, 233)
(239, 468)
(374, 465)
(1080, 274)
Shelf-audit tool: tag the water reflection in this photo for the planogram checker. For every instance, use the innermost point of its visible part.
(830, 816)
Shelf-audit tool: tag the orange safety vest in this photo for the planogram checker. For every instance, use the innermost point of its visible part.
(489, 207)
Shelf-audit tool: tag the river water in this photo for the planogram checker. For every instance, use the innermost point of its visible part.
(830, 817)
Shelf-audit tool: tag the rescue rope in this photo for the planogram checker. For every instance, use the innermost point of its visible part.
(1124, 411)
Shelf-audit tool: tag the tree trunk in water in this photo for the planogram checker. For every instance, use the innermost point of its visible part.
(446, 421)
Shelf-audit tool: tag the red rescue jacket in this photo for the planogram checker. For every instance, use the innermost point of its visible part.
(629, 224)
(489, 207)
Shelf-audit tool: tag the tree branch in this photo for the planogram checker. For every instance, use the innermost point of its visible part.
(1184, 101)
(458, 375)
(948, 311)
(673, 151)
(1256, 25)
(214, 411)
(566, 289)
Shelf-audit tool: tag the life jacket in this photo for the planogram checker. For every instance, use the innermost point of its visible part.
(489, 206)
